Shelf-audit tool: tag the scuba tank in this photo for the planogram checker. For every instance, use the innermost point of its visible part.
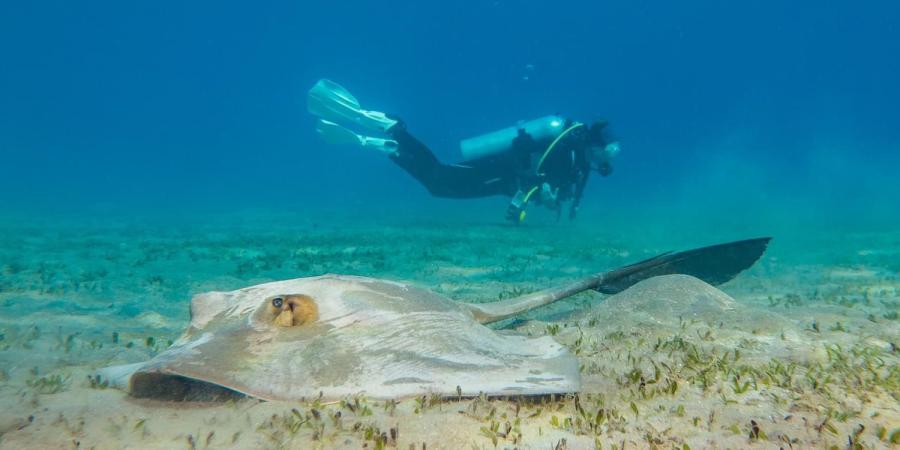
(501, 140)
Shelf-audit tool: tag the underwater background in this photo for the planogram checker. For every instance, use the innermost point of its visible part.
(762, 112)
(150, 151)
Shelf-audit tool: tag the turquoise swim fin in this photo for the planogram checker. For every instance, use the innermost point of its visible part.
(330, 101)
(333, 133)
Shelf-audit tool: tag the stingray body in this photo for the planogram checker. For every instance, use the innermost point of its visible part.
(372, 336)
(332, 336)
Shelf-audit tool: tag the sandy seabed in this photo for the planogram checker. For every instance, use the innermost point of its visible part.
(798, 352)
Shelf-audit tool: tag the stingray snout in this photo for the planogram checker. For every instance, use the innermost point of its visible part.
(292, 310)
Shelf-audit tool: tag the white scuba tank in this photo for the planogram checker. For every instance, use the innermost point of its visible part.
(501, 140)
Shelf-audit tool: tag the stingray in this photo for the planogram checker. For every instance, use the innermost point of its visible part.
(331, 336)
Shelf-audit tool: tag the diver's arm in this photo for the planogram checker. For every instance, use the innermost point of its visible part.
(580, 183)
(582, 172)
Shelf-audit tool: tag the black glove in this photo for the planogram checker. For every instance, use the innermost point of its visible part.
(514, 213)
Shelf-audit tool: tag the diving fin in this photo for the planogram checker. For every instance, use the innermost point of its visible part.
(333, 133)
(330, 101)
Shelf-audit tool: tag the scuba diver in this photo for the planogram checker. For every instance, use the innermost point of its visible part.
(545, 161)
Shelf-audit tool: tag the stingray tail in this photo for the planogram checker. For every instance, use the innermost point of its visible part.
(715, 265)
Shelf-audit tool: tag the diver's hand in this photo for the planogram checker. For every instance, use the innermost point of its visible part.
(514, 214)
(548, 195)
(516, 209)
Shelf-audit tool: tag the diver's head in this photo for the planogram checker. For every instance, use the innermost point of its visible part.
(602, 149)
(597, 131)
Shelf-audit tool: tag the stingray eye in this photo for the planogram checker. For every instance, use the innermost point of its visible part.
(278, 302)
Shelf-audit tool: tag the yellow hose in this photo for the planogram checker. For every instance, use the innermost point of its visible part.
(541, 163)
(525, 203)
(553, 145)
(528, 195)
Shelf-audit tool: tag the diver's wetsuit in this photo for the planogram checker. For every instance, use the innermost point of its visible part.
(566, 168)
(450, 180)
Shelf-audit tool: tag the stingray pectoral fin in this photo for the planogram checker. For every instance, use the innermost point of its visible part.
(714, 264)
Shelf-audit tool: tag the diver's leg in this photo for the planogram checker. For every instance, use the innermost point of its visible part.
(443, 180)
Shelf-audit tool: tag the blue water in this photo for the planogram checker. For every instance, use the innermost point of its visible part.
(740, 110)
